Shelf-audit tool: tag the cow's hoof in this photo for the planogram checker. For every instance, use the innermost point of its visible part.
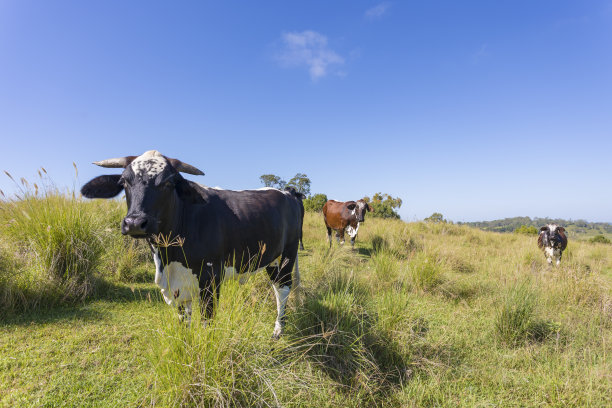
(278, 331)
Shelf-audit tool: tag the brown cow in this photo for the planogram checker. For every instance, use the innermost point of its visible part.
(341, 216)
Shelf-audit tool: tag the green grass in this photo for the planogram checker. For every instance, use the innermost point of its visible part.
(416, 315)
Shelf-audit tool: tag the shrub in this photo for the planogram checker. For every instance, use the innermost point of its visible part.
(599, 239)
(315, 203)
(435, 218)
(527, 230)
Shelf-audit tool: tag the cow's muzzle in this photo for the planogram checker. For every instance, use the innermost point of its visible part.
(135, 226)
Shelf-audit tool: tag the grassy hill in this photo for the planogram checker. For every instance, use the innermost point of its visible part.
(417, 315)
(578, 229)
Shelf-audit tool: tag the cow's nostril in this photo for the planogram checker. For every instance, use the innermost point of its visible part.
(143, 223)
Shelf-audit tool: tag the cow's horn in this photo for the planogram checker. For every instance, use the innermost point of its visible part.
(119, 162)
(185, 168)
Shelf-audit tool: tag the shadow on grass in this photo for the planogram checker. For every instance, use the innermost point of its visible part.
(336, 332)
(347, 347)
(49, 311)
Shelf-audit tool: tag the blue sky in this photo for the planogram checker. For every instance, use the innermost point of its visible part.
(476, 109)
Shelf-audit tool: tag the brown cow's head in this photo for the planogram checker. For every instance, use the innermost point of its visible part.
(358, 209)
(152, 184)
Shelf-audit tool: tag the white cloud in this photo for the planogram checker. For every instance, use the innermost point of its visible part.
(377, 11)
(309, 49)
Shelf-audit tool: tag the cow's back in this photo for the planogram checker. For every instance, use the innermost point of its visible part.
(242, 223)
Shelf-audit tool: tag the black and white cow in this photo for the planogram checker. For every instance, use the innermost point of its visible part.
(552, 241)
(210, 234)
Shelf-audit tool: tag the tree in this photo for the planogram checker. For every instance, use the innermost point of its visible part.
(384, 205)
(435, 218)
(272, 180)
(301, 183)
(315, 203)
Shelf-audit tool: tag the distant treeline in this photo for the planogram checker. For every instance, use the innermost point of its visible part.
(511, 224)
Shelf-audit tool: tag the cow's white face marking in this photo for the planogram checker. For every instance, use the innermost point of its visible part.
(552, 227)
(179, 285)
(352, 231)
(282, 294)
(150, 163)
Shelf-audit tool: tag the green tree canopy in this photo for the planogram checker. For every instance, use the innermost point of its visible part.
(272, 180)
(384, 205)
(315, 203)
(301, 183)
(435, 218)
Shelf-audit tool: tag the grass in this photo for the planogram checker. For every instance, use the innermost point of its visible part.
(416, 315)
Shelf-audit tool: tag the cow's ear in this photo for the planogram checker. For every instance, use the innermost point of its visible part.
(369, 208)
(102, 187)
(544, 228)
(187, 193)
(351, 206)
(560, 229)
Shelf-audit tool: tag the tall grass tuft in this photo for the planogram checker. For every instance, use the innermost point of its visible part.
(516, 317)
(425, 271)
(231, 360)
(60, 241)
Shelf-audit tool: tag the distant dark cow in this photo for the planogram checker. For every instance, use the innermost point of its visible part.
(552, 241)
(344, 216)
(200, 235)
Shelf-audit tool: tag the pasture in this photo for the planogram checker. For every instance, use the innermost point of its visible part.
(417, 315)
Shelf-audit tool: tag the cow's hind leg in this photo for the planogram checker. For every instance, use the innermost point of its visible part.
(281, 283)
(329, 238)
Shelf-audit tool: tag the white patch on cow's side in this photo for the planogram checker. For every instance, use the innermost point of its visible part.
(150, 163)
(282, 294)
(179, 285)
(352, 231)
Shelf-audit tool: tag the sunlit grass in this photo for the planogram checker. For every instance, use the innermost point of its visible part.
(416, 315)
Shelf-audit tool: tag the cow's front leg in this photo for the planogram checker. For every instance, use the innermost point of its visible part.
(549, 255)
(341, 233)
(184, 312)
(208, 297)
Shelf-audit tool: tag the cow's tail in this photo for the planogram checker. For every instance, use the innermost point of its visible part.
(299, 197)
(296, 272)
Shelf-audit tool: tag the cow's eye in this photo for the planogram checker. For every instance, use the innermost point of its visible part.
(123, 182)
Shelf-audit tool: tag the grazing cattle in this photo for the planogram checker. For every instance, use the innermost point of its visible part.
(344, 216)
(552, 241)
(200, 235)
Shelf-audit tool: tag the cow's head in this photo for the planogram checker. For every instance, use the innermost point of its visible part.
(152, 185)
(358, 209)
(552, 235)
